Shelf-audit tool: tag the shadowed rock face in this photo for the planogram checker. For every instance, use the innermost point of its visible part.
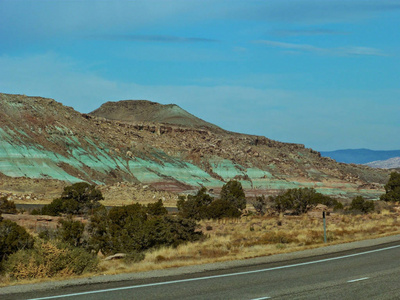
(40, 138)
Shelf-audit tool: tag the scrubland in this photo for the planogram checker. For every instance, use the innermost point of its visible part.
(206, 230)
(254, 236)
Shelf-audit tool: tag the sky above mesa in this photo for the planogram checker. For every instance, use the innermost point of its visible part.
(322, 73)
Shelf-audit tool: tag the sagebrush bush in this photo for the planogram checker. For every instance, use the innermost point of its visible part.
(71, 232)
(360, 204)
(13, 238)
(49, 259)
(7, 207)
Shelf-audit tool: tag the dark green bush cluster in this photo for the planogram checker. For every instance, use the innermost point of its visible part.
(360, 204)
(71, 232)
(72, 247)
(301, 200)
(6, 206)
(392, 188)
(13, 238)
(79, 198)
(134, 228)
(202, 206)
(233, 193)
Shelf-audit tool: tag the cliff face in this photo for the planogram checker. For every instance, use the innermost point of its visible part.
(40, 138)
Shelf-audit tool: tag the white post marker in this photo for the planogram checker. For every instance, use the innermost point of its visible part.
(323, 217)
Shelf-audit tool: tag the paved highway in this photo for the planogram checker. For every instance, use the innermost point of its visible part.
(368, 273)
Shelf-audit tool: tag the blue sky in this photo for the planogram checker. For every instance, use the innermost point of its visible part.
(321, 73)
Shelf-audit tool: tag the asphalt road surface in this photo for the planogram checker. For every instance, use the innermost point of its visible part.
(363, 273)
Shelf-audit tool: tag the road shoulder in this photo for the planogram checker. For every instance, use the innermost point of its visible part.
(277, 258)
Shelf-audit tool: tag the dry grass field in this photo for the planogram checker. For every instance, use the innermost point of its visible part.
(255, 236)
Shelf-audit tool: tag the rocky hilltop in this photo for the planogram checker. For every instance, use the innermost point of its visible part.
(162, 147)
(391, 163)
(147, 111)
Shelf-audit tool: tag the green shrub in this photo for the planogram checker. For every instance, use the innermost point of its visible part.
(47, 234)
(301, 200)
(35, 212)
(79, 198)
(99, 233)
(13, 238)
(203, 206)
(234, 193)
(298, 200)
(156, 209)
(392, 188)
(71, 232)
(130, 229)
(49, 259)
(6, 206)
(171, 231)
(328, 201)
(222, 208)
(360, 204)
(260, 205)
(195, 207)
(55, 208)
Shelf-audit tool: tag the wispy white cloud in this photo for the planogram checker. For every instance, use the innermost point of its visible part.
(307, 32)
(154, 38)
(304, 47)
(362, 51)
(339, 51)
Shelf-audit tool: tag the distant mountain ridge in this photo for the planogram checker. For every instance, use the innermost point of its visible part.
(360, 156)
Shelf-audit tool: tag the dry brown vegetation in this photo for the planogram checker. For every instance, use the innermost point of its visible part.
(255, 236)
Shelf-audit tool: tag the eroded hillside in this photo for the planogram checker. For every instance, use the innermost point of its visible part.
(40, 138)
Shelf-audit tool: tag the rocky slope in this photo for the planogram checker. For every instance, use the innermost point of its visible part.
(391, 163)
(42, 139)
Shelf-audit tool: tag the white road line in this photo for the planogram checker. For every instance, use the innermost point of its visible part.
(263, 298)
(217, 276)
(359, 279)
